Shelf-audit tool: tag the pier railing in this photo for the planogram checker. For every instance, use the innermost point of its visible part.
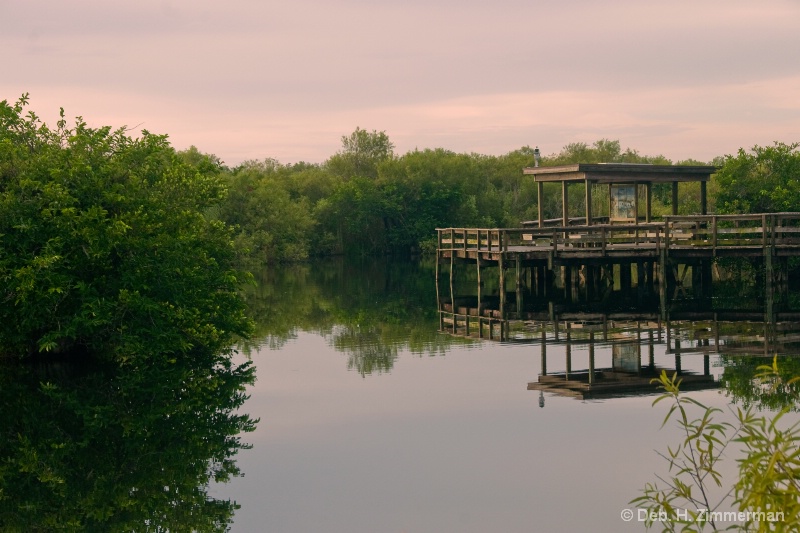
(674, 232)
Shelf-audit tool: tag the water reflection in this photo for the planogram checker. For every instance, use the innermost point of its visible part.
(457, 443)
(370, 310)
(373, 310)
(737, 320)
(102, 449)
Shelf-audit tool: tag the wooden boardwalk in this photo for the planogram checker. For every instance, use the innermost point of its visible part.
(696, 236)
(658, 256)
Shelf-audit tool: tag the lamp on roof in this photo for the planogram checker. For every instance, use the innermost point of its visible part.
(536, 157)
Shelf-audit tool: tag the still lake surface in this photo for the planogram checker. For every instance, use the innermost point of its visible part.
(374, 420)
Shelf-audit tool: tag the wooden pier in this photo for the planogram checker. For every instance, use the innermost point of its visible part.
(679, 237)
(656, 257)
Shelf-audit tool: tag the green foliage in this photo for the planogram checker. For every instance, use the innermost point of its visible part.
(362, 153)
(602, 151)
(764, 180)
(365, 200)
(105, 245)
(694, 493)
(270, 225)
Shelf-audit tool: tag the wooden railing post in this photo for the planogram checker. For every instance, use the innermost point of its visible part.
(714, 235)
(603, 238)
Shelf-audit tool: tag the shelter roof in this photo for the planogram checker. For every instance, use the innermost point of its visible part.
(621, 173)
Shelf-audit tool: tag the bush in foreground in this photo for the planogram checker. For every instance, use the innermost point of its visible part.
(105, 247)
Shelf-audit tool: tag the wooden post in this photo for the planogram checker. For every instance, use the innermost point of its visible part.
(662, 282)
(589, 281)
(648, 201)
(566, 281)
(636, 202)
(539, 207)
(544, 352)
(591, 357)
(501, 265)
(478, 265)
(674, 197)
(452, 302)
(519, 274)
(625, 278)
(638, 348)
(575, 283)
(769, 291)
(641, 282)
(569, 353)
(588, 203)
(565, 203)
(703, 200)
(438, 303)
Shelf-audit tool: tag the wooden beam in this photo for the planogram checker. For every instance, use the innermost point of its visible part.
(620, 173)
(565, 203)
(649, 201)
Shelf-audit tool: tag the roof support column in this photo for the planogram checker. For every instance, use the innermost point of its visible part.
(539, 206)
(588, 203)
(636, 202)
(648, 187)
(564, 203)
(674, 197)
(703, 198)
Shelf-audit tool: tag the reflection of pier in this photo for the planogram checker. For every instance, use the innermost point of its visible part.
(632, 338)
(627, 375)
(682, 333)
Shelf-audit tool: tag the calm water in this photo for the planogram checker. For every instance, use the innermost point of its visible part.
(371, 419)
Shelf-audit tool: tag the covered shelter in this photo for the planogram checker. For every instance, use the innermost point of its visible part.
(624, 181)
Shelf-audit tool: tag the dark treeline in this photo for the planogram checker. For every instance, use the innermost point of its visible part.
(367, 200)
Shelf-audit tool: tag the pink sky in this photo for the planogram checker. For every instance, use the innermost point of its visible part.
(248, 79)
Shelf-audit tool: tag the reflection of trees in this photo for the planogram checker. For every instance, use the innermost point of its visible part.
(370, 310)
(120, 450)
(740, 379)
(367, 352)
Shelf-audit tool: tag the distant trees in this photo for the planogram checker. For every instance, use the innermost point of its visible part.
(602, 151)
(367, 200)
(763, 180)
(269, 222)
(362, 152)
